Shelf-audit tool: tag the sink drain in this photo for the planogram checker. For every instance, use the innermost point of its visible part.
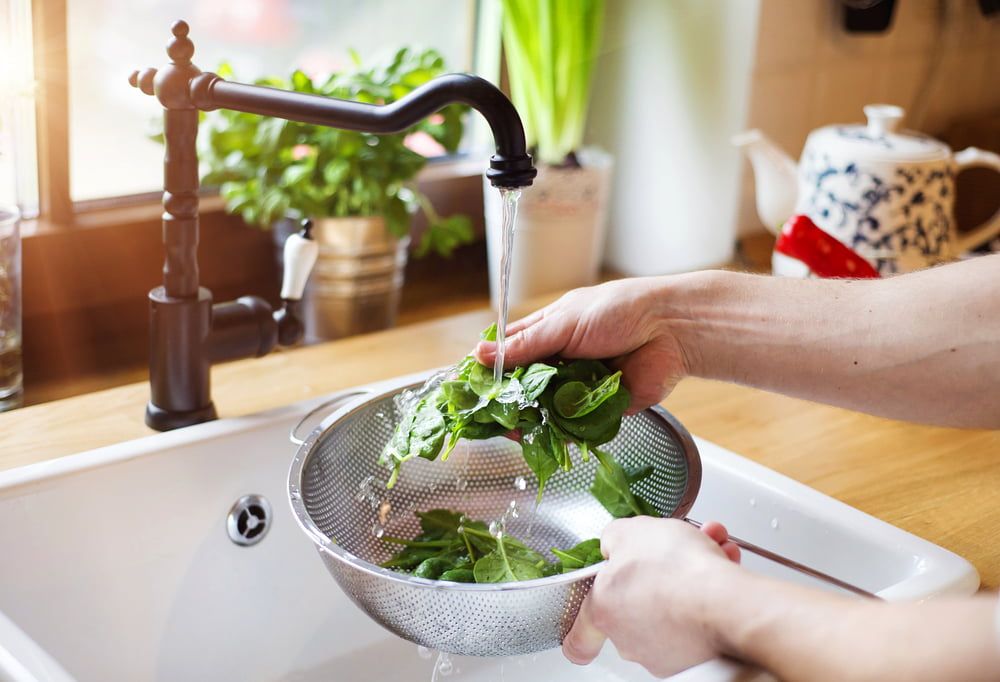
(249, 520)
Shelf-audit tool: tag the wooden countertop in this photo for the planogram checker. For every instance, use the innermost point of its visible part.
(941, 484)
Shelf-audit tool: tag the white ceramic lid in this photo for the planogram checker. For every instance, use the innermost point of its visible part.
(879, 139)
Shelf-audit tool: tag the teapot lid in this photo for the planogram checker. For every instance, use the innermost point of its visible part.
(879, 139)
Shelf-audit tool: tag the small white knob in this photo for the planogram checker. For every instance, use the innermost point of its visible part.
(883, 118)
(300, 256)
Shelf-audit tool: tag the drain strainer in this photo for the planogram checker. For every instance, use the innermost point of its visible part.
(249, 520)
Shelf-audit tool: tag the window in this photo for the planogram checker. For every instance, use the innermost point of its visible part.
(110, 154)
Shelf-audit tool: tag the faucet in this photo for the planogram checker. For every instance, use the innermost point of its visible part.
(188, 333)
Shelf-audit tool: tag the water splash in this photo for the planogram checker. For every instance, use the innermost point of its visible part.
(424, 652)
(508, 198)
(521, 483)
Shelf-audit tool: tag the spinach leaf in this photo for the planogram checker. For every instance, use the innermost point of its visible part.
(499, 566)
(437, 523)
(583, 554)
(536, 447)
(599, 426)
(504, 414)
(612, 489)
(490, 333)
(427, 433)
(535, 380)
(481, 381)
(458, 396)
(582, 370)
(576, 399)
(433, 567)
(459, 575)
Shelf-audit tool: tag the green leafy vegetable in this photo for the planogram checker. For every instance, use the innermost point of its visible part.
(584, 554)
(576, 399)
(452, 547)
(552, 405)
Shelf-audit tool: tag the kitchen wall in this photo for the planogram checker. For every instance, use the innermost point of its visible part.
(940, 60)
(676, 79)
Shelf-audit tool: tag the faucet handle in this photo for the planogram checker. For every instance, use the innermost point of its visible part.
(301, 251)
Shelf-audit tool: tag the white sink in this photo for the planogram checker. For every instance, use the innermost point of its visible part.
(118, 565)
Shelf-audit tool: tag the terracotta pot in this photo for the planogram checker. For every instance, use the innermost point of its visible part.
(356, 282)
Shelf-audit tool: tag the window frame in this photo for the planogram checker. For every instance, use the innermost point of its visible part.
(56, 208)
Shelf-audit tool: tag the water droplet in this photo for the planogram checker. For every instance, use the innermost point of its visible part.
(520, 483)
(461, 483)
(378, 530)
(444, 665)
(774, 524)
(495, 529)
(753, 502)
(424, 652)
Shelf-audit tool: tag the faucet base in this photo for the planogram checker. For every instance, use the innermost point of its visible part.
(167, 420)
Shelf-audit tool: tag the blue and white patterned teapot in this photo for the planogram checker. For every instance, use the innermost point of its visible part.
(887, 194)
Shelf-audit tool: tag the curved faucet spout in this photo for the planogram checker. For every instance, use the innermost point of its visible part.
(510, 167)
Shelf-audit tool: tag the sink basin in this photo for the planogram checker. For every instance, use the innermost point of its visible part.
(118, 565)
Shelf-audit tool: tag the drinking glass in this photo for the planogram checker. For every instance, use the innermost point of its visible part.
(11, 382)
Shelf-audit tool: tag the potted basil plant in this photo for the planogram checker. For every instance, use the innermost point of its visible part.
(355, 186)
(551, 47)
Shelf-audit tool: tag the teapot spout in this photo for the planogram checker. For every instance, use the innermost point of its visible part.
(775, 178)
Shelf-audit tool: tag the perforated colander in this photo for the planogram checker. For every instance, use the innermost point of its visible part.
(338, 495)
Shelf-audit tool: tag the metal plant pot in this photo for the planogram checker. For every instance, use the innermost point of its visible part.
(356, 283)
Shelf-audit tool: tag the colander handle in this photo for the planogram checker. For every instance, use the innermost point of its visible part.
(792, 564)
(337, 399)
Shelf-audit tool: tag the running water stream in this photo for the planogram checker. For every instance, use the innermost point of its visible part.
(508, 199)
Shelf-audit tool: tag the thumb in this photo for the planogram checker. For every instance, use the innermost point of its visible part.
(543, 339)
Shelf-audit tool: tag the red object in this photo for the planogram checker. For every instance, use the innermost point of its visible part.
(801, 239)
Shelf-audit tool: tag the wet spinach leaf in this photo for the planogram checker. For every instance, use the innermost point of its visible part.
(576, 399)
(581, 555)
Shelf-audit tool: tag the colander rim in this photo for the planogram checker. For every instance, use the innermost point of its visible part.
(329, 547)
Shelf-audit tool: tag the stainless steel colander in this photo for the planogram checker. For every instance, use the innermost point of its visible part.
(337, 493)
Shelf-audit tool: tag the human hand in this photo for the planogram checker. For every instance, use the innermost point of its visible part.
(653, 599)
(619, 320)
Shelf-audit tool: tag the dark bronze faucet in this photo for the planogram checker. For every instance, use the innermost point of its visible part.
(187, 332)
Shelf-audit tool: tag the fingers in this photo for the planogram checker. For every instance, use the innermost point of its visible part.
(540, 340)
(716, 531)
(718, 534)
(584, 641)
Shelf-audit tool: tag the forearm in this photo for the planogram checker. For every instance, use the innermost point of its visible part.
(801, 634)
(923, 347)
